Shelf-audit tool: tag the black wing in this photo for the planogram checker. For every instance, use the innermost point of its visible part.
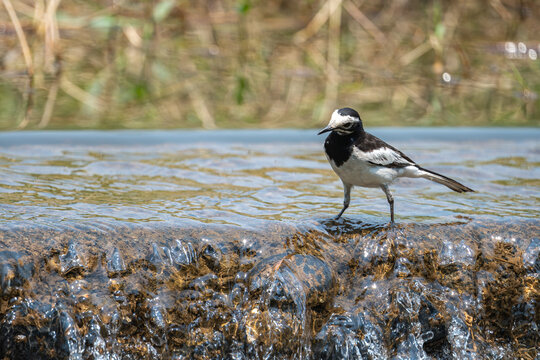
(377, 152)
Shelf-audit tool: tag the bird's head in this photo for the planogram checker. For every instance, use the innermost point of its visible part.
(344, 121)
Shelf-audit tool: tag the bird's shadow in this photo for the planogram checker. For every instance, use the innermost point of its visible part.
(352, 226)
(358, 226)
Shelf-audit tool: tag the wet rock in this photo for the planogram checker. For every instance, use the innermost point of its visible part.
(241, 277)
(414, 321)
(176, 335)
(456, 262)
(156, 323)
(180, 255)
(503, 290)
(72, 261)
(531, 257)
(434, 331)
(460, 338)
(410, 347)
(205, 282)
(282, 289)
(206, 344)
(24, 271)
(156, 258)
(26, 330)
(115, 263)
(211, 256)
(315, 276)
(238, 294)
(525, 316)
(183, 254)
(452, 254)
(277, 319)
(374, 255)
(95, 346)
(69, 344)
(402, 267)
(350, 336)
(7, 274)
(458, 277)
(48, 333)
(405, 328)
(15, 271)
(247, 247)
(158, 316)
(258, 276)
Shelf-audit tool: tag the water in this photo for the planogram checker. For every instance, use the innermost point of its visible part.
(221, 245)
(248, 177)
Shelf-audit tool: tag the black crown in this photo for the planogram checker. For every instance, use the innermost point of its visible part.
(348, 112)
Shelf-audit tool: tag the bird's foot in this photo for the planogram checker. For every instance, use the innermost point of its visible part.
(391, 225)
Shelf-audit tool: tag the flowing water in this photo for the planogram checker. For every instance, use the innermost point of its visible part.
(221, 245)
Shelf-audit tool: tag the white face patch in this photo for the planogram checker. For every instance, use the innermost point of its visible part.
(337, 121)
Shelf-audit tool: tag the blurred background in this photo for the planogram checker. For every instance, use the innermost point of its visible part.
(72, 64)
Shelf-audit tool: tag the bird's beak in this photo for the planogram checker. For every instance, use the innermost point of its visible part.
(326, 129)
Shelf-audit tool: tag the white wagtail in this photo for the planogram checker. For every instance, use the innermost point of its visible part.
(361, 159)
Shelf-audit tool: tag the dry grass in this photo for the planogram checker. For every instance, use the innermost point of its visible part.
(224, 63)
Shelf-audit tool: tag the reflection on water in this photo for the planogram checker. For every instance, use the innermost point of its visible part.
(221, 245)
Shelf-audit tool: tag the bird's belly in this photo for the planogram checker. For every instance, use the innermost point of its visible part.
(362, 173)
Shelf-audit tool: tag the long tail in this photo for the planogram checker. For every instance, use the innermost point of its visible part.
(444, 180)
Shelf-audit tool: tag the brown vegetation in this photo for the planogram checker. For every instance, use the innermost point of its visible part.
(248, 63)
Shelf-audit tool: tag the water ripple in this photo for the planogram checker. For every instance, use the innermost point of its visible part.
(284, 176)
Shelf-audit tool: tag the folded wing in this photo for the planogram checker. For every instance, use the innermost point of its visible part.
(386, 157)
(377, 152)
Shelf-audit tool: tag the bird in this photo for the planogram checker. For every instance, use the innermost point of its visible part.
(361, 159)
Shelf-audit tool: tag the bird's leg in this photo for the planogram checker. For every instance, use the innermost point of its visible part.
(346, 199)
(390, 199)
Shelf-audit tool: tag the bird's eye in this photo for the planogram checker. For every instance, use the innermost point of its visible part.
(347, 125)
